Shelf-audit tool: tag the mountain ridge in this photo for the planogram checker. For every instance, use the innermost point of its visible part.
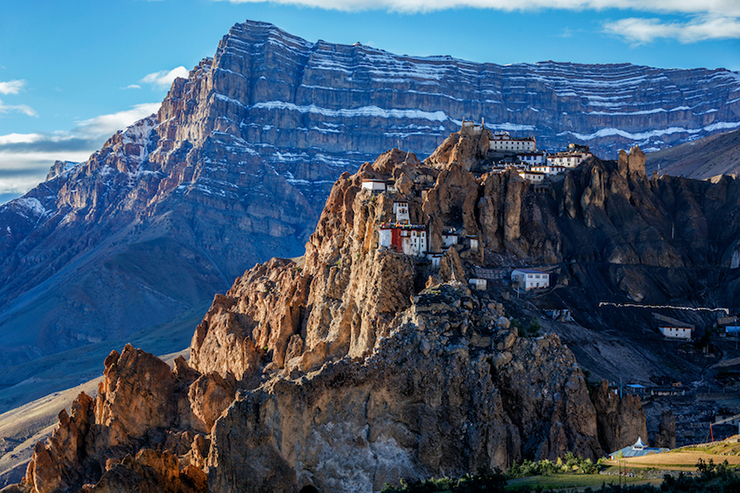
(236, 165)
(709, 157)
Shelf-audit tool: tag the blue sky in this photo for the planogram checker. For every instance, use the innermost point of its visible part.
(73, 72)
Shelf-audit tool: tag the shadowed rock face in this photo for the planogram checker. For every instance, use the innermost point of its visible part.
(238, 162)
(351, 374)
(436, 395)
(621, 421)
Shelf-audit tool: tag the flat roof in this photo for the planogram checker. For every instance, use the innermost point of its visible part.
(401, 226)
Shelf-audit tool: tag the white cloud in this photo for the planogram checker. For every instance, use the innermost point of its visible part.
(132, 86)
(724, 7)
(20, 184)
(12, 86)
(164, 78)
(701, 28)
(107, 125)
(19, 138)
(21, 171)
(21, 108)
(25, 158)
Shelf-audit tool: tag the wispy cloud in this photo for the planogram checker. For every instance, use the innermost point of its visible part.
(724, 7)
(19, 108)
(164, 78)
(25, 158)
(107, 125)
(706, 27)
(567, 33)
(12, 86)
(132, 86)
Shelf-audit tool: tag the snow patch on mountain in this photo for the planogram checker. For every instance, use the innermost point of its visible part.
(608, 132)
(365, 111)
(29, 206)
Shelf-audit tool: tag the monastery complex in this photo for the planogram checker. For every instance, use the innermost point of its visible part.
(522, 153)
(504, 152)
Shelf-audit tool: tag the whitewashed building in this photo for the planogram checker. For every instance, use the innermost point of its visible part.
(571, 158)
(373, 185)
(547, 169)
(409, 239)
(479, 284)
(436, 259)
(537, 158)
(401, 210)
(530, 279)
(503, 142)
(471, 241)
(449, 238)
(676, 332)
(533, 176)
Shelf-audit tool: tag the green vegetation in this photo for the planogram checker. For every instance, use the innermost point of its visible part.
(568, 464)
(534, 328)
(726, 447)
(712, 478)
(710, 470)
(489, 482)
(566, 481)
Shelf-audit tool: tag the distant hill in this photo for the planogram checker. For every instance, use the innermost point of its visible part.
(700, 159)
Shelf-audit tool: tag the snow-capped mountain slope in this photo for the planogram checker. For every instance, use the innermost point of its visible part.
(238, 162)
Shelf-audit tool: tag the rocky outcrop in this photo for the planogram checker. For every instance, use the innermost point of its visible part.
(350, 373)
(151, 470)
(666, 436)
(61, 462)
(437, 395)
(358, 365)
(139, 434)
(58, 168)
(621, 421)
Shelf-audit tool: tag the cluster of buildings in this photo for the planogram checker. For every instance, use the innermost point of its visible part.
(404, 237)
(533, 164)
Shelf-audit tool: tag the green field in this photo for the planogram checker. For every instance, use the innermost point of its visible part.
(573, 481)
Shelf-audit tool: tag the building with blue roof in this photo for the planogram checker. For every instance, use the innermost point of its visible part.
(638, 449)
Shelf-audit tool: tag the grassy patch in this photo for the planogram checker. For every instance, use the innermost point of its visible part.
(678, 460)
(557, 481)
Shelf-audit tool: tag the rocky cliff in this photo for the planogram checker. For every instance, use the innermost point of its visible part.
(360, 365)
(236, 165)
